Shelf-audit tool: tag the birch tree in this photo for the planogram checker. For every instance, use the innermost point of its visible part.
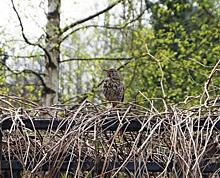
(52, 56)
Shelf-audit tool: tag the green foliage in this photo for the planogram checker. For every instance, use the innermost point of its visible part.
(3, 87)
(184, 42)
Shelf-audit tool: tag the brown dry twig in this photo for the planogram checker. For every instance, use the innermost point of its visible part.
(165, 136)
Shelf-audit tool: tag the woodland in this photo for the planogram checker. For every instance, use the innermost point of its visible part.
(55, 120)
(163, 49)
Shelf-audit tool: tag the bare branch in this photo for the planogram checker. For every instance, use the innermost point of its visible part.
(119, 27)
(90, 17)
(90, 26)
(94, 139)
(21, 56)
(26, 39)
(98, 58)
(27, 71)
(207, 83)
(161, 71)
(104, 58)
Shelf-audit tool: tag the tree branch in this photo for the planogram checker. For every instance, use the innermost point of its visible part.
(98, 58)
(106, 27)
(20, 56)
(38, 75)
(24, 36)
(89, 26)
(89, 17)
(105, 58)
(207, 83)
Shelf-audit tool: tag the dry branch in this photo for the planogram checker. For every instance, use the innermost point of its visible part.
(93, 140)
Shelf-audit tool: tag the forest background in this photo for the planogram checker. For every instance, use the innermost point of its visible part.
(54, 51)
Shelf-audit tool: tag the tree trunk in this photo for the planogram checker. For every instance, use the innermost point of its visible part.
(52, 53)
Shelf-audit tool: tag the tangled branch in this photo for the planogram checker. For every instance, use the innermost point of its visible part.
(97, 141)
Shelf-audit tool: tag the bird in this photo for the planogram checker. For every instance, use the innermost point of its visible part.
(113, 86)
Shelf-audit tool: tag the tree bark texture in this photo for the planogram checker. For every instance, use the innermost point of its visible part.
(52, 55)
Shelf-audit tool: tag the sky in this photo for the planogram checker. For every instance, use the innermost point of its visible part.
(33, 16)
(32, 13)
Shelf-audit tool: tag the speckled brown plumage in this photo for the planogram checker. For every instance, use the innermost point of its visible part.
(113, 87)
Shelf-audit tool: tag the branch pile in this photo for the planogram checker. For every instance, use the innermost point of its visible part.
(99, 141)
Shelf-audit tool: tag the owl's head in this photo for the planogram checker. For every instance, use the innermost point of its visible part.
(112, 73)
